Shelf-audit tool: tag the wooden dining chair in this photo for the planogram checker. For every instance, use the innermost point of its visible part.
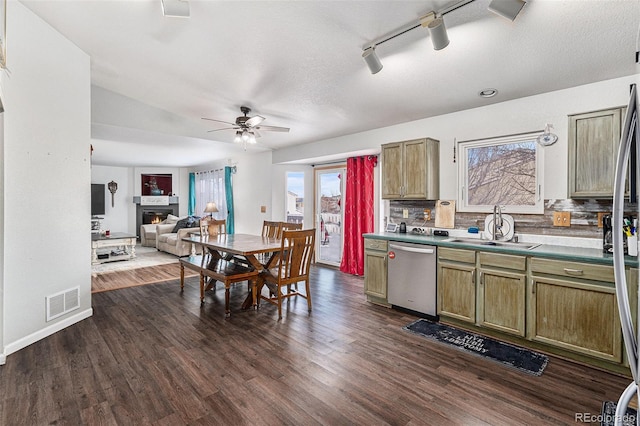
(289, 226)
(296, 252)
(213, 227)
(271, 229)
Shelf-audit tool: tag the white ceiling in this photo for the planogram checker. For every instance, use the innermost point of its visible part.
(298, 63)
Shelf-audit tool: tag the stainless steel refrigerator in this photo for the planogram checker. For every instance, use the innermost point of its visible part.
(627, 154)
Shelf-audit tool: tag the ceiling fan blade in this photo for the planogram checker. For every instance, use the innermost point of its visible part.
(219, 121)
(256, 133)
(226, 128)
(273, 128)
(254, 121)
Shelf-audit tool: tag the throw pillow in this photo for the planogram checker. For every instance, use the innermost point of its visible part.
(172, 219)
(182, 223)
(187, 222)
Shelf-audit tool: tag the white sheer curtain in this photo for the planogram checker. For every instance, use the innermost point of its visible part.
(210, 187)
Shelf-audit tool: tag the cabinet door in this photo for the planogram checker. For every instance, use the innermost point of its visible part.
(415, 169)
(375, 274)
(501, 301)
(576, 316)
(593, 145)
(457, 291)
(392, 171)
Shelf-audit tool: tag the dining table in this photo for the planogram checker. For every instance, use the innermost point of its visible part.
(259, 252)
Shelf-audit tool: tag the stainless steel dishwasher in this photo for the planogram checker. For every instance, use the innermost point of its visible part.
(412, 277)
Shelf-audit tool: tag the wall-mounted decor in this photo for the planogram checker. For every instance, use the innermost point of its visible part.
(157, 184)
(113, 187)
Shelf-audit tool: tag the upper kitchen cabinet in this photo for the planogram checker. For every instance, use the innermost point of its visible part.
(593, 146)
(410, 170)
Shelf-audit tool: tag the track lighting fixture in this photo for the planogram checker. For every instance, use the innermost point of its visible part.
(371, 58)
(438, 33)
(434, 22)
(506, 8)
(175, 8)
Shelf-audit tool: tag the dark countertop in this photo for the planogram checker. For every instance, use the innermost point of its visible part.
(577, 254)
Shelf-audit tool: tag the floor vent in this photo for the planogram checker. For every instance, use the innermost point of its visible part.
(60, 303)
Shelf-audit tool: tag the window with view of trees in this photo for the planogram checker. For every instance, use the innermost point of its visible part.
(506, 171)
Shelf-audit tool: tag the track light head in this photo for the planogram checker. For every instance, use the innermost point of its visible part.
(175, 8)
(371, 58)
(438, 33)
(506, 8)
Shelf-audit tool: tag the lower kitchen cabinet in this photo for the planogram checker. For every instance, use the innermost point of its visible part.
(573, 306)
(502, 292)
(457, 284)
(375, 270)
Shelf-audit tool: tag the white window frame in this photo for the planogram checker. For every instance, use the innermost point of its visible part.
(464, 146)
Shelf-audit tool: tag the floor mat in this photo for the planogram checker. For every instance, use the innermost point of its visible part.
(512, 356)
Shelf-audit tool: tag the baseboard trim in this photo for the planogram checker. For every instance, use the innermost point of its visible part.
(45, 332)
(3, 359)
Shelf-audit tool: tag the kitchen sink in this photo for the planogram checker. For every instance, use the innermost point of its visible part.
(513, 244)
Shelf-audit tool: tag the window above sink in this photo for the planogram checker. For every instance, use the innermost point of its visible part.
(504, 171)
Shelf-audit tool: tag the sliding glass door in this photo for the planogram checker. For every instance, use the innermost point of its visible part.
(329, 214)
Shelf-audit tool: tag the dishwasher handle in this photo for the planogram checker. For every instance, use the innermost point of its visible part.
(412, 249)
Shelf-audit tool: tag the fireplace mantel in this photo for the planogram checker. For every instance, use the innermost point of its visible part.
(172, 200)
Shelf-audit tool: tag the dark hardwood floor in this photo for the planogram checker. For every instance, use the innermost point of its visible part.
(151, 355)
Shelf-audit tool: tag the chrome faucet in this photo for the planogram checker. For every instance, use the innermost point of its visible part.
(497, 222)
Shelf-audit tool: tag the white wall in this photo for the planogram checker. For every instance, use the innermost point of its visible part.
(517, 116)
(122, 216)
(46, 156)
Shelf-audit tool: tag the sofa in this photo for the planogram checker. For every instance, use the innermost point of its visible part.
(169, 235)
(148, 234)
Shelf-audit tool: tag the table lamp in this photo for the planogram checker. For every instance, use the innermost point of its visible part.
(211, 208)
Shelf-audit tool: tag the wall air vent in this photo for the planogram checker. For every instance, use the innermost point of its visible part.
(61, 303)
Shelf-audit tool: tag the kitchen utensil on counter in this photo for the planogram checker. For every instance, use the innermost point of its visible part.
(607, 235)
(445, 214)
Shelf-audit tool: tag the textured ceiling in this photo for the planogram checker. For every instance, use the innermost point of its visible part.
(298, 63)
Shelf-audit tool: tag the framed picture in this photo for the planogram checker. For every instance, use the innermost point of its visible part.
(3, 33)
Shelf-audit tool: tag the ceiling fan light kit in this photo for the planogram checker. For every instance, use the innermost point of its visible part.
(437, 30)
(247, 127)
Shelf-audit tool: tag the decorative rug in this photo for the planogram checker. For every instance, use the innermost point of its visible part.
(512, 356)
(608, 415)
(145, 257)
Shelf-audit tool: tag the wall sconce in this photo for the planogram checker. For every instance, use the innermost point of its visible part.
(113, 187)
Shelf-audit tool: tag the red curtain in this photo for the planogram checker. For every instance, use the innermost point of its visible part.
(358, 212)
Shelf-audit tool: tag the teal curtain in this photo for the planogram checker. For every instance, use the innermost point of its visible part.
(228, 189)
(192, 194)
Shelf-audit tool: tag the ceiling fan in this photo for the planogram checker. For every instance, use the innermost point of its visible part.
(247, 127)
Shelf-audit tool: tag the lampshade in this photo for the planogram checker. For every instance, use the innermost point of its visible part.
(370, 57)
(506, 8)
(211, 208)
(438, 33)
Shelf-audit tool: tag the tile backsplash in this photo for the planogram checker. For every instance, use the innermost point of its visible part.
(584, 217)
